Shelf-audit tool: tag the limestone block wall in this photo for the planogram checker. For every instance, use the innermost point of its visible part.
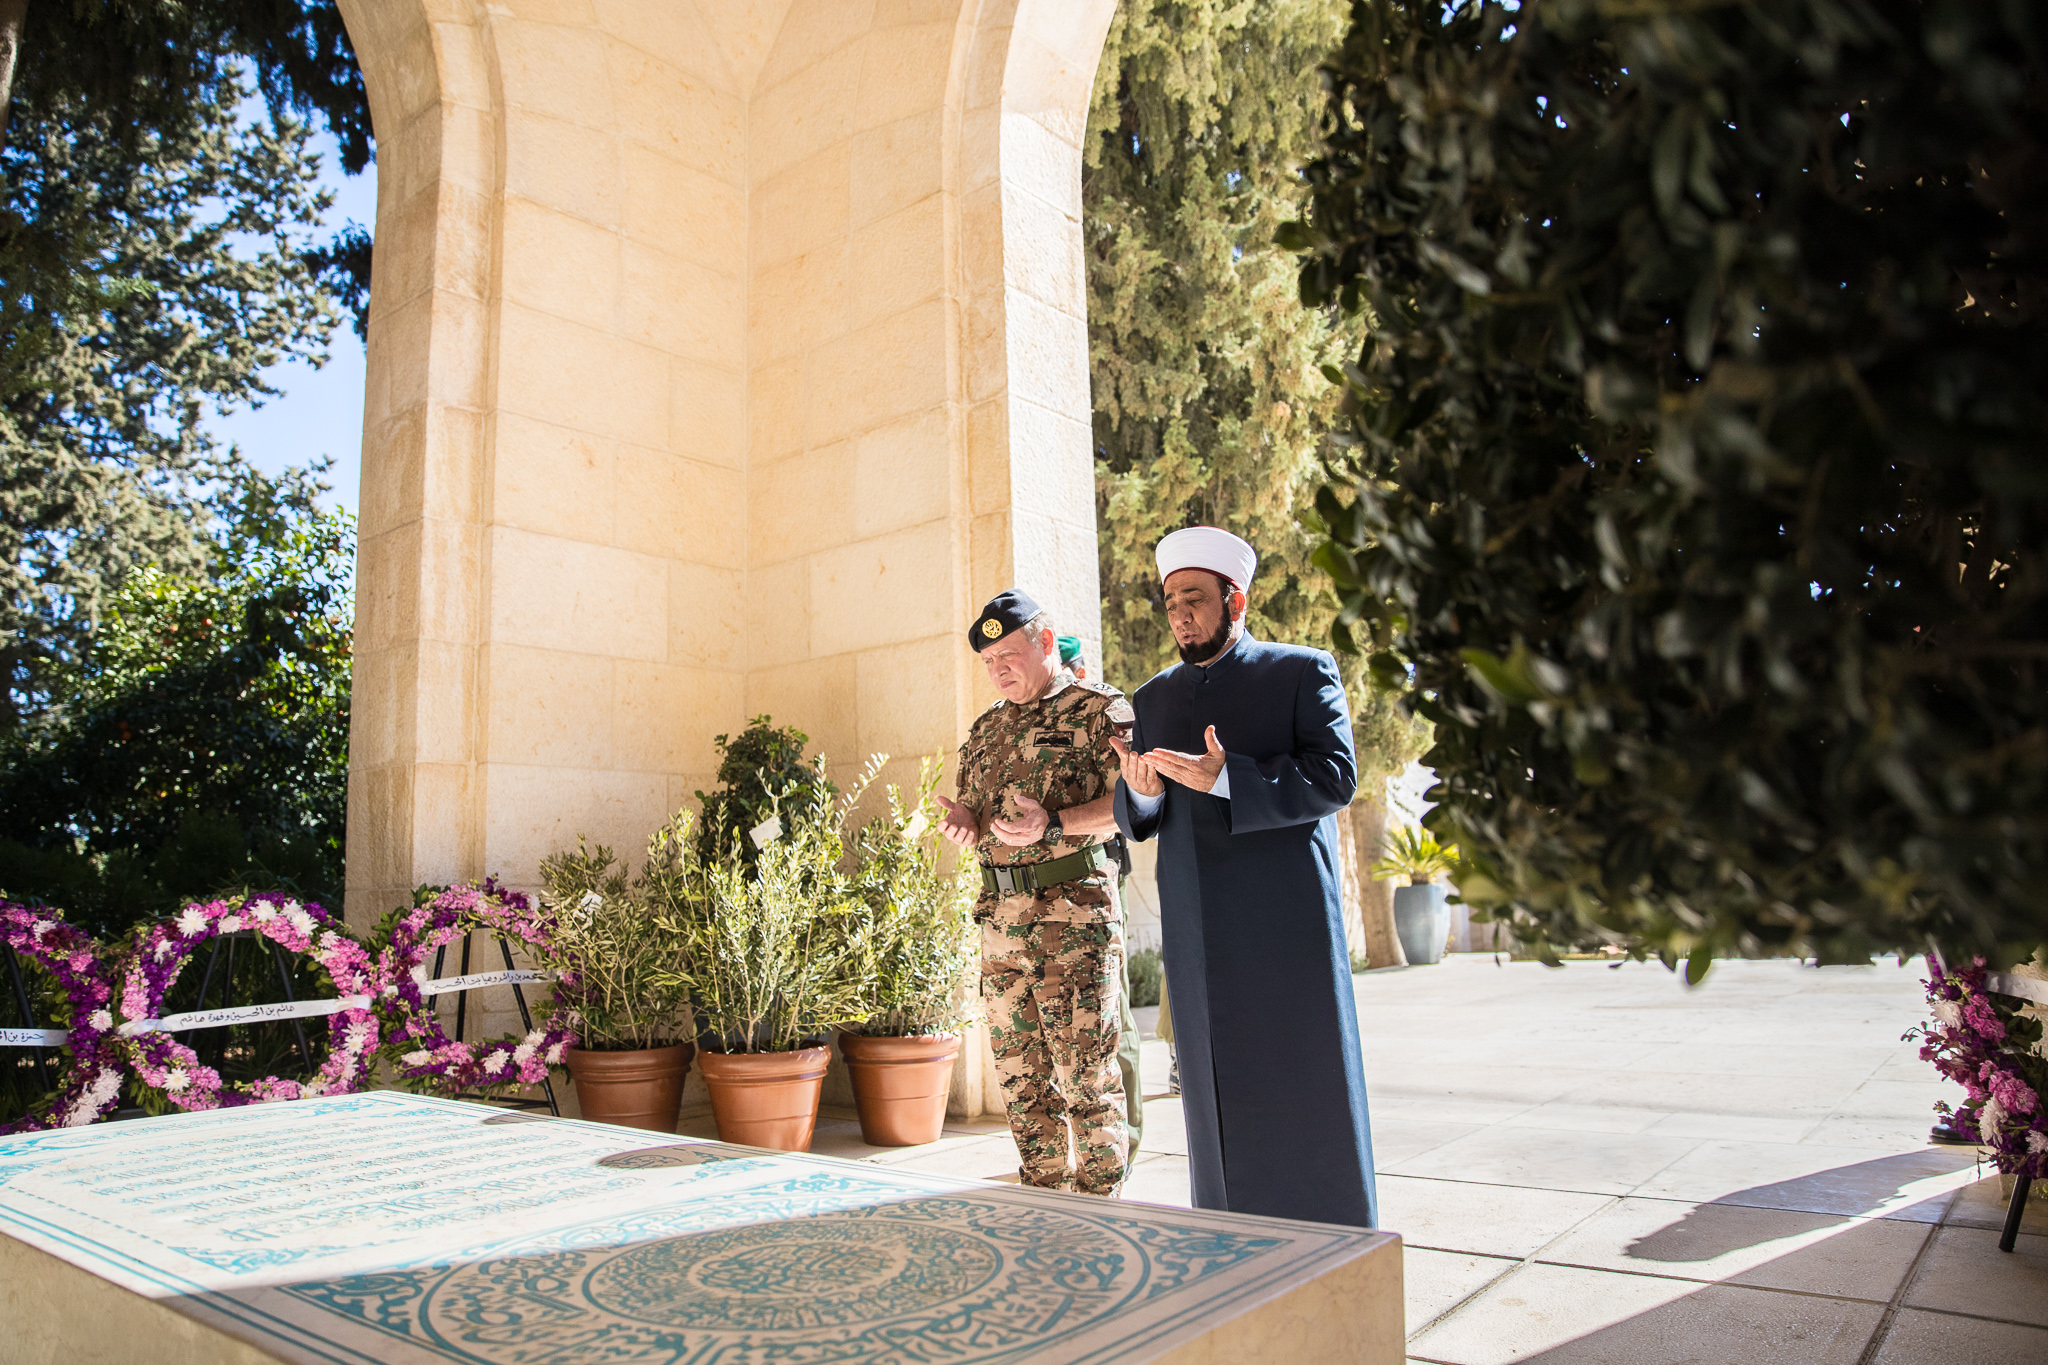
(724, 356)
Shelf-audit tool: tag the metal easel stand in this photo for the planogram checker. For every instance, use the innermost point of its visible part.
(2022, 1186)
(547, 1083)
(28, 1014)
(284, 982)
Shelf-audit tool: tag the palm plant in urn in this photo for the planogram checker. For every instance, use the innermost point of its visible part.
(620, 968)
(914, 955)
(1422, 914)
(768, 966)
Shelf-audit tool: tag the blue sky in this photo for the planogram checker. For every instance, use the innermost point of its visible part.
(320, 411)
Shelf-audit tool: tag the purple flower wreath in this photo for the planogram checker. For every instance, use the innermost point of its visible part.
(1988, 1044)
(425, 1057)
(89, 1084)
(165, 1065)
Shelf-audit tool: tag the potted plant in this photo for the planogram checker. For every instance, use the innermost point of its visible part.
(913, 957)
(620, 975)
(1422, 913)
(767, 968)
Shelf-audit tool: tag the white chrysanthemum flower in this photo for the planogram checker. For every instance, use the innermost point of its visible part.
(495, 1062)
(292, 908)
(192, 921)
(163, 949)
(1948, 1012)
(1990, 1119)
(100, 1020)
(313, 1087)
(40, 927)
(300, 920)
(176, 1080)
(264, 912)
(230, 924)
(536, 1037)
(523, 1053)
(390, 990)
(2037, 1142)
(420, 1058)
(554, 1057)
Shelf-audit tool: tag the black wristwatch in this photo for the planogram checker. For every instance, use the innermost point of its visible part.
(1054, 830)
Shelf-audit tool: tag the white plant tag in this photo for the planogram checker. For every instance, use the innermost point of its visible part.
(767, 832)
(914, 829)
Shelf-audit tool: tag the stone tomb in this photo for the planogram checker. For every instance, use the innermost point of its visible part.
(390, 1229)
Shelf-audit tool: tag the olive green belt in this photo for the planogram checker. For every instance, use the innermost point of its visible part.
(1026, 878)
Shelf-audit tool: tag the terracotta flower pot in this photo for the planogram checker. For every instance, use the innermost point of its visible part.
(900, 1085)
(766, 1099)
(641, 1088)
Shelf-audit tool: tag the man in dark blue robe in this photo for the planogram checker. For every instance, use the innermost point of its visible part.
(1238, 761)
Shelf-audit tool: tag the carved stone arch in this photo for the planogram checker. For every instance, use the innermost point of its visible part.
(723, 356)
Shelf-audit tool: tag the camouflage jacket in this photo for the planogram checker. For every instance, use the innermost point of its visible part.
(1056, 751)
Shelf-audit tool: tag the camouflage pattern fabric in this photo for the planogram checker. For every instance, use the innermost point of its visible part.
(1050, 989)
(1056, 751)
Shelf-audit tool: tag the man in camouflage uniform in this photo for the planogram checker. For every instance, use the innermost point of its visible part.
(1037, 778)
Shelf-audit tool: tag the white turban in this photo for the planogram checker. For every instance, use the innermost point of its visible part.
(1207, 547)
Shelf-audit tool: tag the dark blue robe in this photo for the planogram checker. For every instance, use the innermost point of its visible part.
(1265, 1025)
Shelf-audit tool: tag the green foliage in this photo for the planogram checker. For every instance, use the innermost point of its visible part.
(623, 939)
(1148, 974)
(202, 741)
(915, 956)
(761, 770)
(1209, 408)
(1694, 459)
(1414, 853)
(771, 959)
(147, 276)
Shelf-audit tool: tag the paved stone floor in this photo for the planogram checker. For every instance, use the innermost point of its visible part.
(1597, 1165)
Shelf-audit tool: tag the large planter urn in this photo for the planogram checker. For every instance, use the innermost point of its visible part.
(640, 1088)
(1422, 921)
(766, 1099)
(900, 1086)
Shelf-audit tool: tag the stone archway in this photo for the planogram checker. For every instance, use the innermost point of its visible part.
(722, 355)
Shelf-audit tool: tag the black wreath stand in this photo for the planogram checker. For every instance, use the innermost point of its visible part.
(547, 1083)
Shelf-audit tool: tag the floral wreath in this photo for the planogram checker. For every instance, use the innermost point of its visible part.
(434, 1062)
(1990, 1044)
(89, 1084)
(167, 1066)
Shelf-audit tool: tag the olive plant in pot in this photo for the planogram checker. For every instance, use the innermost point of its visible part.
(914, 957)
(621, 976)
(768, 969)
(1422, 913)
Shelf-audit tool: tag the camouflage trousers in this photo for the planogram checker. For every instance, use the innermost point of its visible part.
(1051, 991)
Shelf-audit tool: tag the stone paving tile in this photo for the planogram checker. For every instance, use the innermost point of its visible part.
(1918, 1337)
(1588, 1118)
(1815, 1178)
(1735, 1127)
(1490, 1220)
(1437, 1281)
(1161, 1178)
(1965, 1272)
(1397, 1139)
(1982, 1204)
(1166, 1128)
(1816, 1253)
(1595, 1163)
(1562, 1315)
(978, 1159)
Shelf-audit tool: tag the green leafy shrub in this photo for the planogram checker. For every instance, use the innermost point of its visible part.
(1692, 477)
(915, 956)
(772, 945)
(1148, 974)
(628, 955)
(761, 769)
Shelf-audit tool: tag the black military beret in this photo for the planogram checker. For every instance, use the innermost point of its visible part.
(1006, 611)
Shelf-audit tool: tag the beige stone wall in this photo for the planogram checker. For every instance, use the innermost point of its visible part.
(724, 356)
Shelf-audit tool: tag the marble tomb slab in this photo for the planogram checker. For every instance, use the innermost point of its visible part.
(390, 1229)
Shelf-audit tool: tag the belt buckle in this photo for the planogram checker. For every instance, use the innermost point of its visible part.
(1010, 881)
